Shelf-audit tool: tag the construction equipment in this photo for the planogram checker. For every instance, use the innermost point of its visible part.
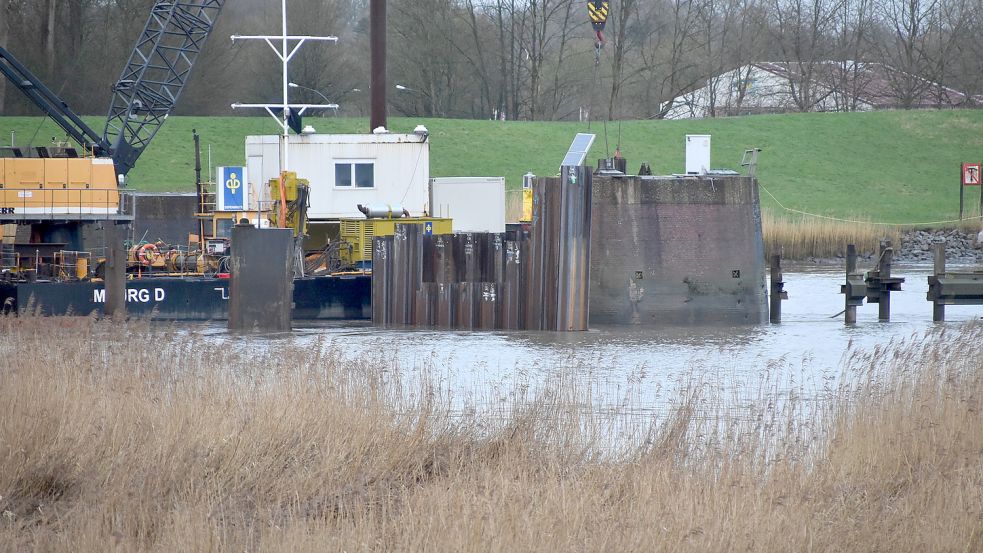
(289, 195)
(58, 189)
(357, 235)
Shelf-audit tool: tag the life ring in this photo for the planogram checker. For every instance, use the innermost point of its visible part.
(147, 254)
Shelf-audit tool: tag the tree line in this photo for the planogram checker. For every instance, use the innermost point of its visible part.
(508, 59)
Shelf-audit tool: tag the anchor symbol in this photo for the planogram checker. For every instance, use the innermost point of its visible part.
(233, 184)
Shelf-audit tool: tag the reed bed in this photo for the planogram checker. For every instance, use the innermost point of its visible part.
(810, 237)
(134, 437)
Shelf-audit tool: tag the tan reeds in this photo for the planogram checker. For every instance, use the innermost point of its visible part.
(134, 437)
(809, 237)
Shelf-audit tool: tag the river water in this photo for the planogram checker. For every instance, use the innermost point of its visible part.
(645, 370)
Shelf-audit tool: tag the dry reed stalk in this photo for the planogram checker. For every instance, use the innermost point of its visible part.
(138, 437)
(804, 238)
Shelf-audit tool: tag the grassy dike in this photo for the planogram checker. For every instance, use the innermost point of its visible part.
(886, 167)
(138, 437)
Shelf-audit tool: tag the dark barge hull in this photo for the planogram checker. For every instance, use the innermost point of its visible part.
(187, 299)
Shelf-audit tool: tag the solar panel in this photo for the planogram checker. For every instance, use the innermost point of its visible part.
(578, 150)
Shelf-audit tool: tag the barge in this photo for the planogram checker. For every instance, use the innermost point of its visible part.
(196, 298)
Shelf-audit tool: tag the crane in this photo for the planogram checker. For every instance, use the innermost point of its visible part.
(147, 90)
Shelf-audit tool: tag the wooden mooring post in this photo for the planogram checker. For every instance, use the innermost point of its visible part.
(945, 288)
(777, 291)
(876, 286)
(855, 289)
(938, 271)
(880, 283)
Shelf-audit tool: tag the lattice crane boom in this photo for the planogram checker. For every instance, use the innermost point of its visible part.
(155, 75)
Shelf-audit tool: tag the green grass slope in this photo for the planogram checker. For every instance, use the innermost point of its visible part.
(893, 167)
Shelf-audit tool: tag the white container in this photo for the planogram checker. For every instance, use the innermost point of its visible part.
(345, 170)
(475, 204)
(697, 154)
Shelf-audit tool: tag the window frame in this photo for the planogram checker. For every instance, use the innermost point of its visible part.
(352, 164)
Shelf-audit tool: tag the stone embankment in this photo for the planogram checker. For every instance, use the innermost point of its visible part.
(960, 247)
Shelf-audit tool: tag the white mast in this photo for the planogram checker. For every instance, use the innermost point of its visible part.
(285, 53)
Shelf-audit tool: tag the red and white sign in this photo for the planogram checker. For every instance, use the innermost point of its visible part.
(971, 174)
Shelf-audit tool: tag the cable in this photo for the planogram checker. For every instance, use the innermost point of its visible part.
(593, 85)
(827, 217)
(412, 175)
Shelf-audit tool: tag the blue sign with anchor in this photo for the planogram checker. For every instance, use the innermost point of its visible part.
(428, 228)
(232, 189)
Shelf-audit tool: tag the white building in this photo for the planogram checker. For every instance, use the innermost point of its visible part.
(775, 87)
(345, 170)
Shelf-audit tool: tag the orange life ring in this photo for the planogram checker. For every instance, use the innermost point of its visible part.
(147, 254)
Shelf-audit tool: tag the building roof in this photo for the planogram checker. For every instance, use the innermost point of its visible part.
(877, 84)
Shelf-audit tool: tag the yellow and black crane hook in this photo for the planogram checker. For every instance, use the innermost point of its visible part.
(597, 11)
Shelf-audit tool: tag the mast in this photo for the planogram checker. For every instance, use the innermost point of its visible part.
(285, 50)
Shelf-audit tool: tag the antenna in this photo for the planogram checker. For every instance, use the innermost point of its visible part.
(281, 112)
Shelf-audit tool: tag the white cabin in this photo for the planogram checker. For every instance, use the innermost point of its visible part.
(345, 170)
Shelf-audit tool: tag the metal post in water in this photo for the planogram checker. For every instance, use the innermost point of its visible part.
(850, 316)
(884, 271)
(938, 260)
(777, 292)
(114, 278)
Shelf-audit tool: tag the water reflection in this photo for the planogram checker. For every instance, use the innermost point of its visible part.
(645, 369)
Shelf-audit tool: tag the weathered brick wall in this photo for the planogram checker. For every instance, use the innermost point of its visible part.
(676, 250)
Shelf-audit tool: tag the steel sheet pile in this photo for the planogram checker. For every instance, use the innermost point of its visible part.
(536, 278)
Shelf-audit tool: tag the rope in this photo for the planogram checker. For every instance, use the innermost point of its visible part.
(829, 218)
(593, 86)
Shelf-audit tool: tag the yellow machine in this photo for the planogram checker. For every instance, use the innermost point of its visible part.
(58, 186)
(526, 205)
(357, 234)
(292, 208)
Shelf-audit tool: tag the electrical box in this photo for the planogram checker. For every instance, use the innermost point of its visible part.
(357, 234)
(697, 154)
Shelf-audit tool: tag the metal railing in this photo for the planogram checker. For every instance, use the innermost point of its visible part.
(66, 204)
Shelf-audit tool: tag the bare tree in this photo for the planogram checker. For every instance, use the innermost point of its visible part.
(477, 59)
(543, 31)
(625, 37)
(853, 24)
(905, 46)
(800, 29)
(666, 62)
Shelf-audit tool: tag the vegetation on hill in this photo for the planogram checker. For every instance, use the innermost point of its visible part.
(890, 167)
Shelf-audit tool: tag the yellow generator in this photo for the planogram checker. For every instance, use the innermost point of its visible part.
(357, 234)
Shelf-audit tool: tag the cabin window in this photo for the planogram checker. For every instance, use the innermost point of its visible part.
(354, 174)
